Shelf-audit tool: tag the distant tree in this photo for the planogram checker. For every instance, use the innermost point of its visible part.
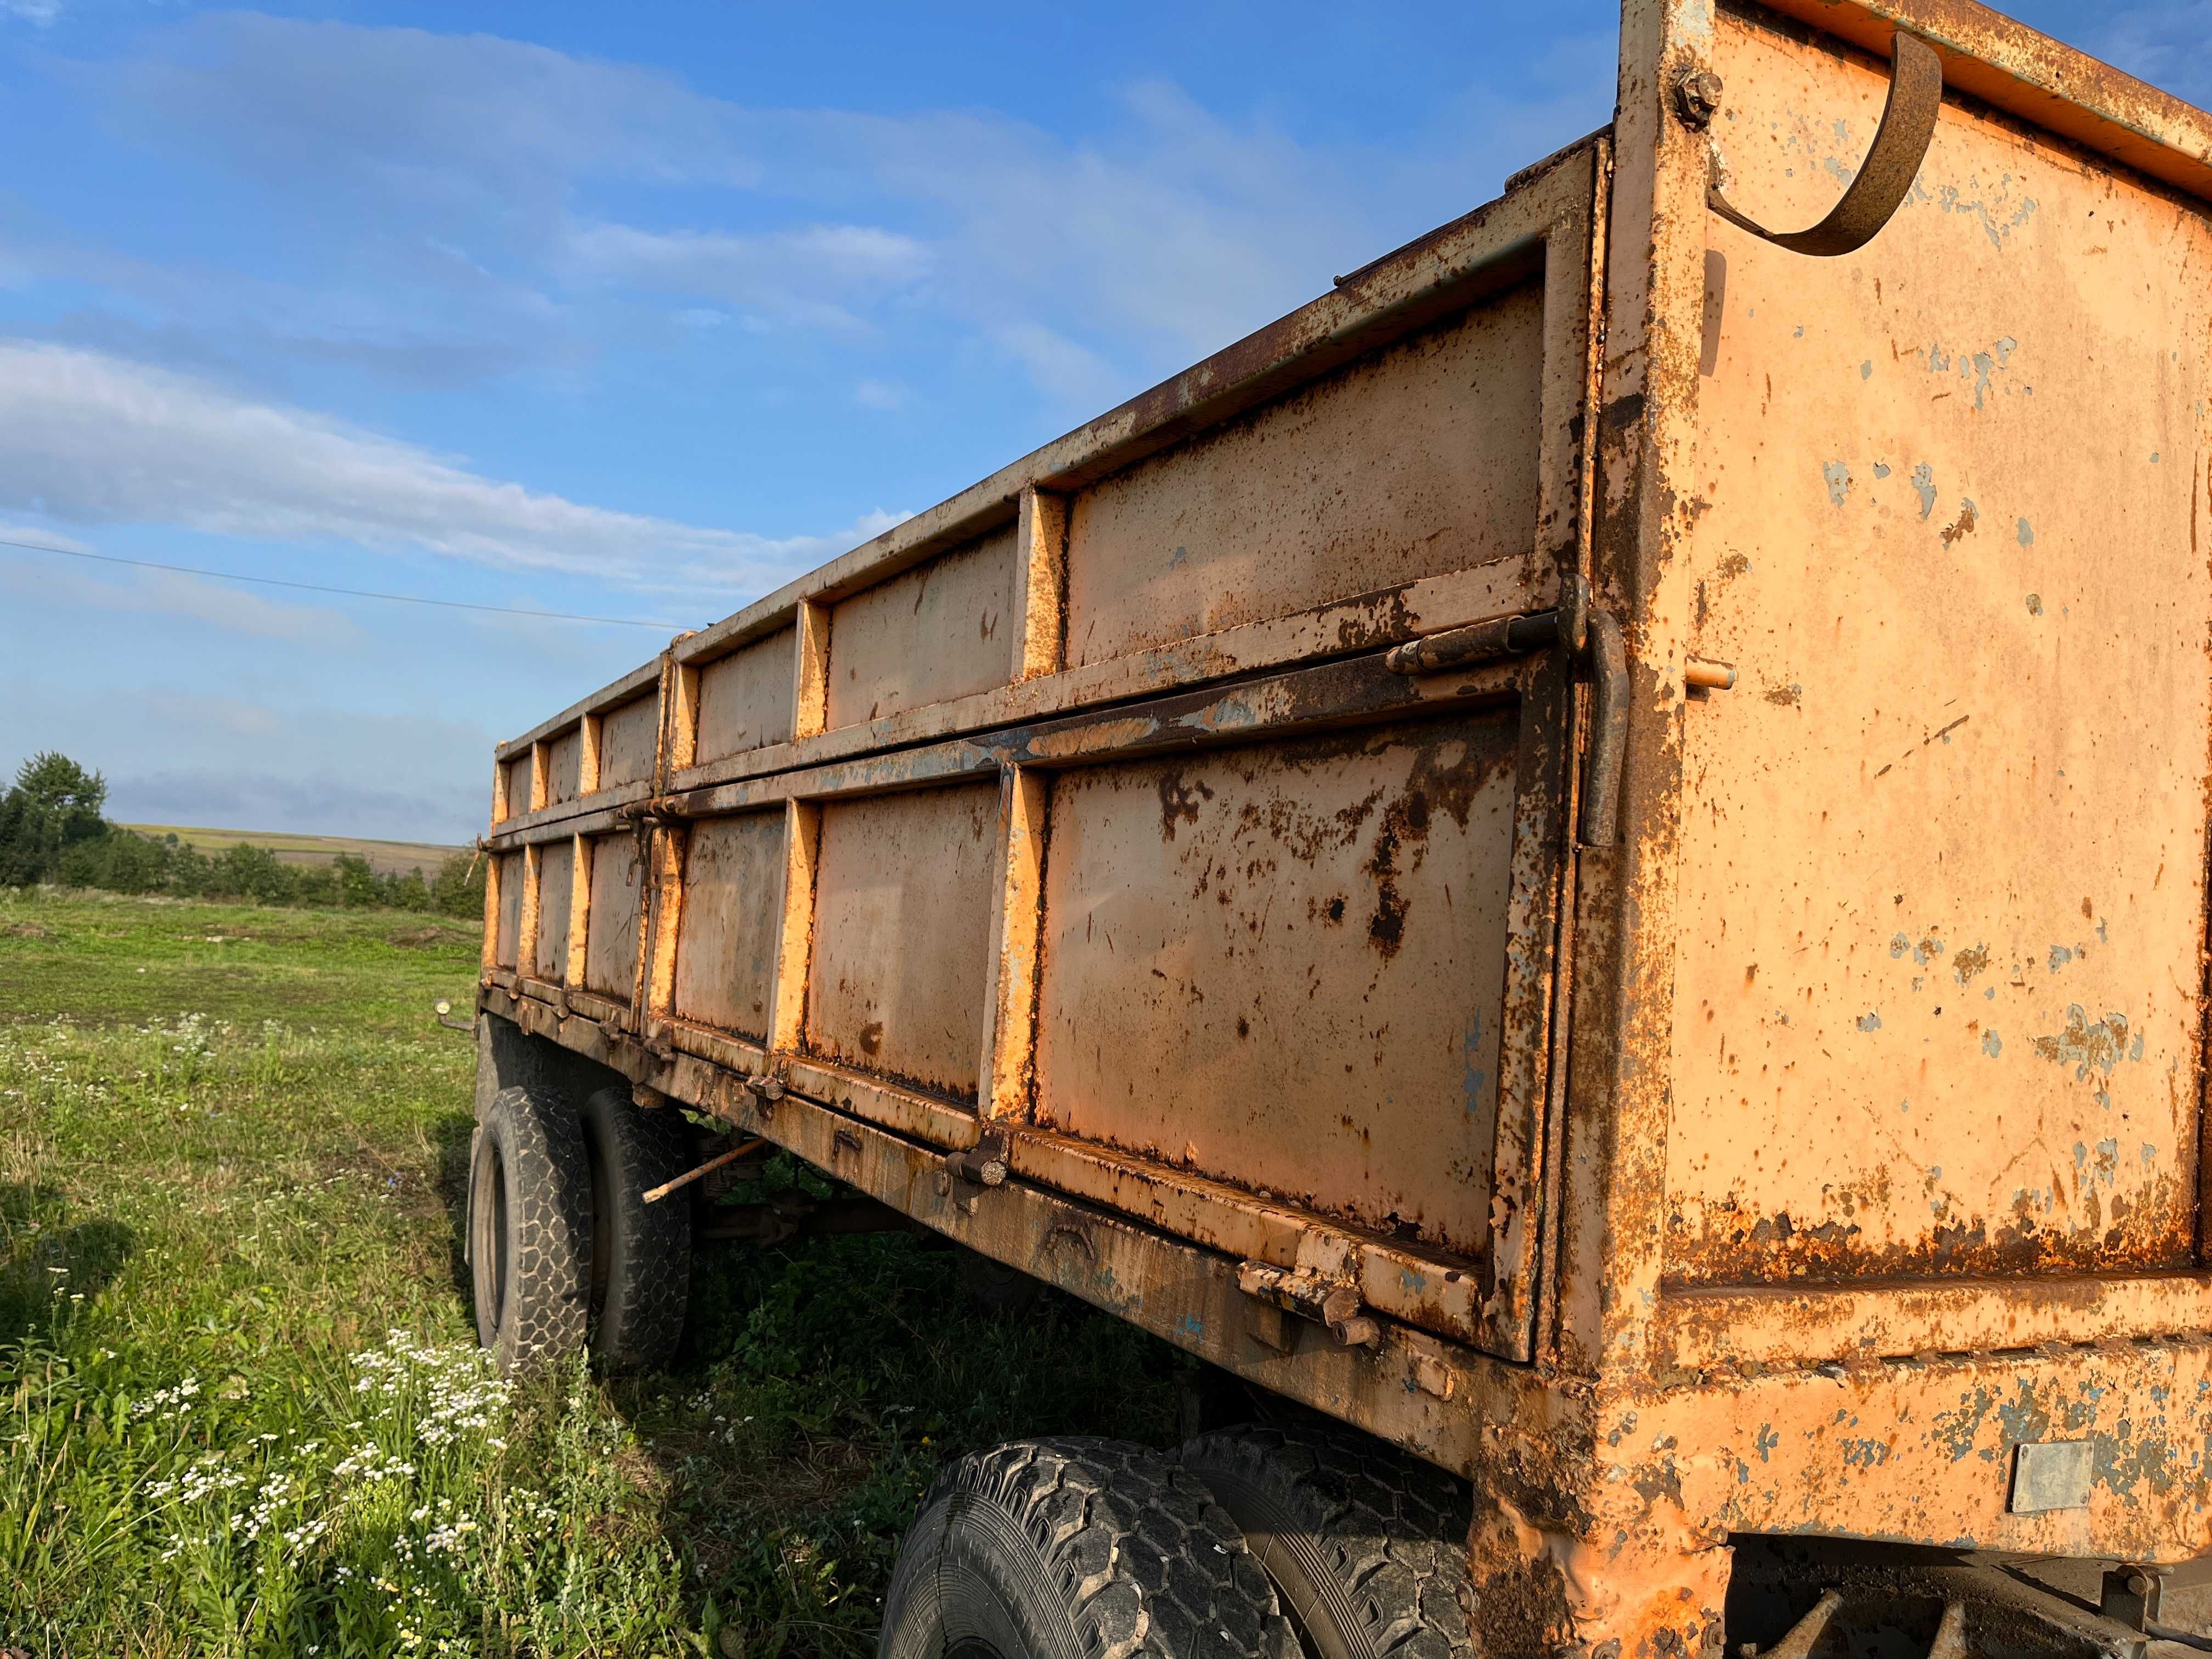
(245, 871)
(56, 782)
(53, 806)
(457, 889)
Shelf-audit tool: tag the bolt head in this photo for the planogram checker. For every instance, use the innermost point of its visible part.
(1697, 98)
(2138, 1583)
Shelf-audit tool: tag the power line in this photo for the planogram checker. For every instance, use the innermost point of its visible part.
(348, 593)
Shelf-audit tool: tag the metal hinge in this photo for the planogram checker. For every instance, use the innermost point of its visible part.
(1593, 639)
(1334, 1303)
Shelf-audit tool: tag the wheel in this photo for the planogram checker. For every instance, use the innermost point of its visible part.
(530, 1228)
(1071, 1548)
(1367, 1548)
(641, 1252)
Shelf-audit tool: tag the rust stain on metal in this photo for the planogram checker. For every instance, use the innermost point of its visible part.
(1778, 1155)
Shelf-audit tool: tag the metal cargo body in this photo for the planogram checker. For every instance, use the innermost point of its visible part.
(1589, 853)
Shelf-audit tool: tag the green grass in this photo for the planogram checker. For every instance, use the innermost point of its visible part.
(241, 1411)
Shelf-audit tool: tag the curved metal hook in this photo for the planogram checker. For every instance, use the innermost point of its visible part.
(1900, 145)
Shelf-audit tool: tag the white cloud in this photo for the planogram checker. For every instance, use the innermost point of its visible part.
(173, 754)
(784, 273)
(173, 594)
(88, 438)
(886, 395)
(41, 12)
(2162, 45)
(33, 536)
(1096, 265)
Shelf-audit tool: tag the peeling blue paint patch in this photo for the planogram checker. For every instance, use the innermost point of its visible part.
(1957, 1431)
(1923, 485)
(1473, 1081)
(1766, 1441)
(1411, 1282)
(1996, 225)
(2005, 348)
(1865, 1453)
(1839, 477)
(1191, 1325)
(1870, 1021)
(1881, 469)
(1992, 1045)
(2089, 1047)
(2027, 533)
(1175, 559)
(1865, 373)
(1898, 944)
(2149, 1154)
(2060, 956)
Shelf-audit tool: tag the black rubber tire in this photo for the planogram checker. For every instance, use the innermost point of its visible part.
(530, 1229)
(1366, 1547)
(1072, 1549)
(641, 1252)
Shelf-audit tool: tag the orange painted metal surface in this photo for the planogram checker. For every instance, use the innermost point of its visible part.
(1777, 1147)
(1239, 961)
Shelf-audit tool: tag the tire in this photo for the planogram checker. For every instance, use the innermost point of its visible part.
(641, 1253)
(1071, 1549)
(1367, 1548)
(530, 1229)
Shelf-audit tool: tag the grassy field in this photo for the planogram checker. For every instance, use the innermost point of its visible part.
(393, 858)
(241, 1411)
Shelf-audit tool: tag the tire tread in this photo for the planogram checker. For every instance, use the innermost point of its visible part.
(1391, 1532)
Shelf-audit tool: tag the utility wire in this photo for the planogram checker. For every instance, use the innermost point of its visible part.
(348, 593)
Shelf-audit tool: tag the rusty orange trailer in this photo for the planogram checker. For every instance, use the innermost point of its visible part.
(1587, 856)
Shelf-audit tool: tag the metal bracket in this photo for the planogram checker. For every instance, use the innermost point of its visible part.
(1884, 179)
(983, 1165)
(1334, 1303)
(1590, 635)
(2132, 1595)
(1501, 637)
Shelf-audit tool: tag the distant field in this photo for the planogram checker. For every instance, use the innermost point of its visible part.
(384, 857)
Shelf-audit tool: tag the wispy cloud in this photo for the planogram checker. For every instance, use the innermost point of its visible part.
(172, 594)
(809, 275)
(2162, 45)
(499, 190)
(175, 755)
(93, 439)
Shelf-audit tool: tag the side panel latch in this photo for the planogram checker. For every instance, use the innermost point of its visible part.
(1334, 1303)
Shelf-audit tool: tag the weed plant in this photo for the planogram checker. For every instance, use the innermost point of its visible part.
(241, 1409)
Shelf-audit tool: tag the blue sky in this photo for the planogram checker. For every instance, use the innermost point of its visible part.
(637, 311)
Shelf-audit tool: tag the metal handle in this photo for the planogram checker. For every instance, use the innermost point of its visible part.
(1900, 145)
(1609, 741)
